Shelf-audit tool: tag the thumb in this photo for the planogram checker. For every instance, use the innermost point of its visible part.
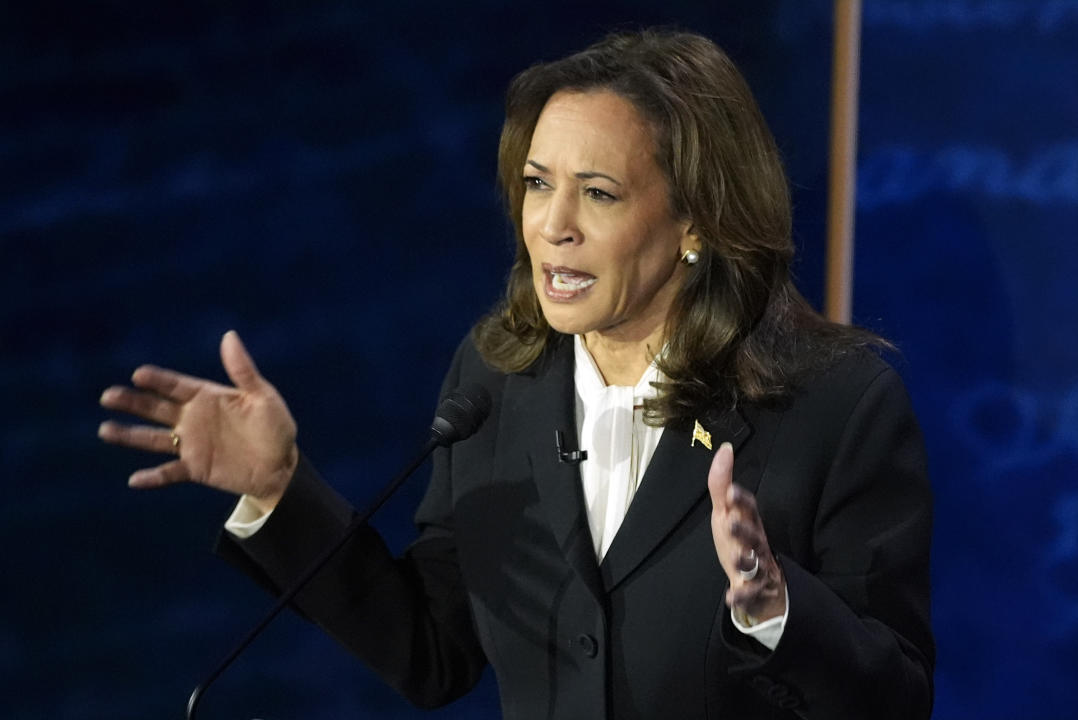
(238, 363)
(721, 475)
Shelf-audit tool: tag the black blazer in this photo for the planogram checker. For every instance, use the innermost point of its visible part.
(504, 569)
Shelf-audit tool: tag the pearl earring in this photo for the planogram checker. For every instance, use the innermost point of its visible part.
(690, 257)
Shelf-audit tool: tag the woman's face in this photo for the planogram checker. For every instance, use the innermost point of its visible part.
(597, 222)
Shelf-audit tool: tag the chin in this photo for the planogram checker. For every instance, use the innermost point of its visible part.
(565, 321)
(566, 328)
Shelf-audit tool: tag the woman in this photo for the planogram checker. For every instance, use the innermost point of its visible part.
(651, 310)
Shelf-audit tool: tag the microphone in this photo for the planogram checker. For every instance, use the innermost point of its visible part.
(569, 457)
(459, 415)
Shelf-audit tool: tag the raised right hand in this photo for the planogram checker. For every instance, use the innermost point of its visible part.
(239, 439)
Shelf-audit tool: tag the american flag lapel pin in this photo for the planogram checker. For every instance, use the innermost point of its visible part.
(698, 433)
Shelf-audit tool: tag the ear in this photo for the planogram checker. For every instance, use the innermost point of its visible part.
(689, 238)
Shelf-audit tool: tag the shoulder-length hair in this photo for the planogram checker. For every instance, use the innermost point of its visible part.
(738, 328)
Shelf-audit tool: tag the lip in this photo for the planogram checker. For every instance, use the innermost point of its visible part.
(561, 294)
(563, 269)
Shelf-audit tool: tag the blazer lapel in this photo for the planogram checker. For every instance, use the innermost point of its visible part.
(547, 403)
(674, 482)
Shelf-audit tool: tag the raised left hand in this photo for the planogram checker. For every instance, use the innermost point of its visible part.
(741, 544)
(239, 438)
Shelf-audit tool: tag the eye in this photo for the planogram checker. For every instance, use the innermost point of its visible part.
(598, 195)
(534, 182)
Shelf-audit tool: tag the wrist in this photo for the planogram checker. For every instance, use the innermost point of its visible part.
(773, 608)
(767, 603)
(768, 611)
(267, 501)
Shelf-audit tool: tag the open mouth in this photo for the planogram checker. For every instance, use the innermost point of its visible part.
(564, 283)
(571, 281)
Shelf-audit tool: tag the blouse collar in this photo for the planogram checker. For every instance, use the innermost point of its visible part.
(589, 381)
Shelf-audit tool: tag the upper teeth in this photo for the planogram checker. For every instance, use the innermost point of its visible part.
(562, 281)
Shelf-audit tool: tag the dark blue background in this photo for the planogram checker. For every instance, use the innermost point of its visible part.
(320, 176)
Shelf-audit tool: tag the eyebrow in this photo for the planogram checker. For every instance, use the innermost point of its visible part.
(579, 175)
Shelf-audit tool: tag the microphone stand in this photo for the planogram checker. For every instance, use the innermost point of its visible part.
(359, 521)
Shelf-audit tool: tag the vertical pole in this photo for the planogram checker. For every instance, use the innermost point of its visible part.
(842, 183)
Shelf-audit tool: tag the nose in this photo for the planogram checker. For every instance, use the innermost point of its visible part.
(560, 220)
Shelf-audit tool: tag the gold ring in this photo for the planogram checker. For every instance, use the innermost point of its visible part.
(175, 439)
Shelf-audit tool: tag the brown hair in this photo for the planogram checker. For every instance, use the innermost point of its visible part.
(738, 327)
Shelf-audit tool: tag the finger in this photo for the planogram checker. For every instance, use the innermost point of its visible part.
(742, 597)
(165, 474)
(767, 575)
(744, 559)
(721, 475)
(749, 535)
(150, 406)
(765, 586)
(169, 383)
(743, 500)
(238, 363)
(140, 437)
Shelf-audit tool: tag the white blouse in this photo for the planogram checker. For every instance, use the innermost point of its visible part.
(610, 426)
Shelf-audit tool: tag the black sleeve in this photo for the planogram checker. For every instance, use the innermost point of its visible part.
(858, 641)
(409, 619)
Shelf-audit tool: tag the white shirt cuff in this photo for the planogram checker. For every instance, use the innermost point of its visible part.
(246, 519)
(769, 632)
